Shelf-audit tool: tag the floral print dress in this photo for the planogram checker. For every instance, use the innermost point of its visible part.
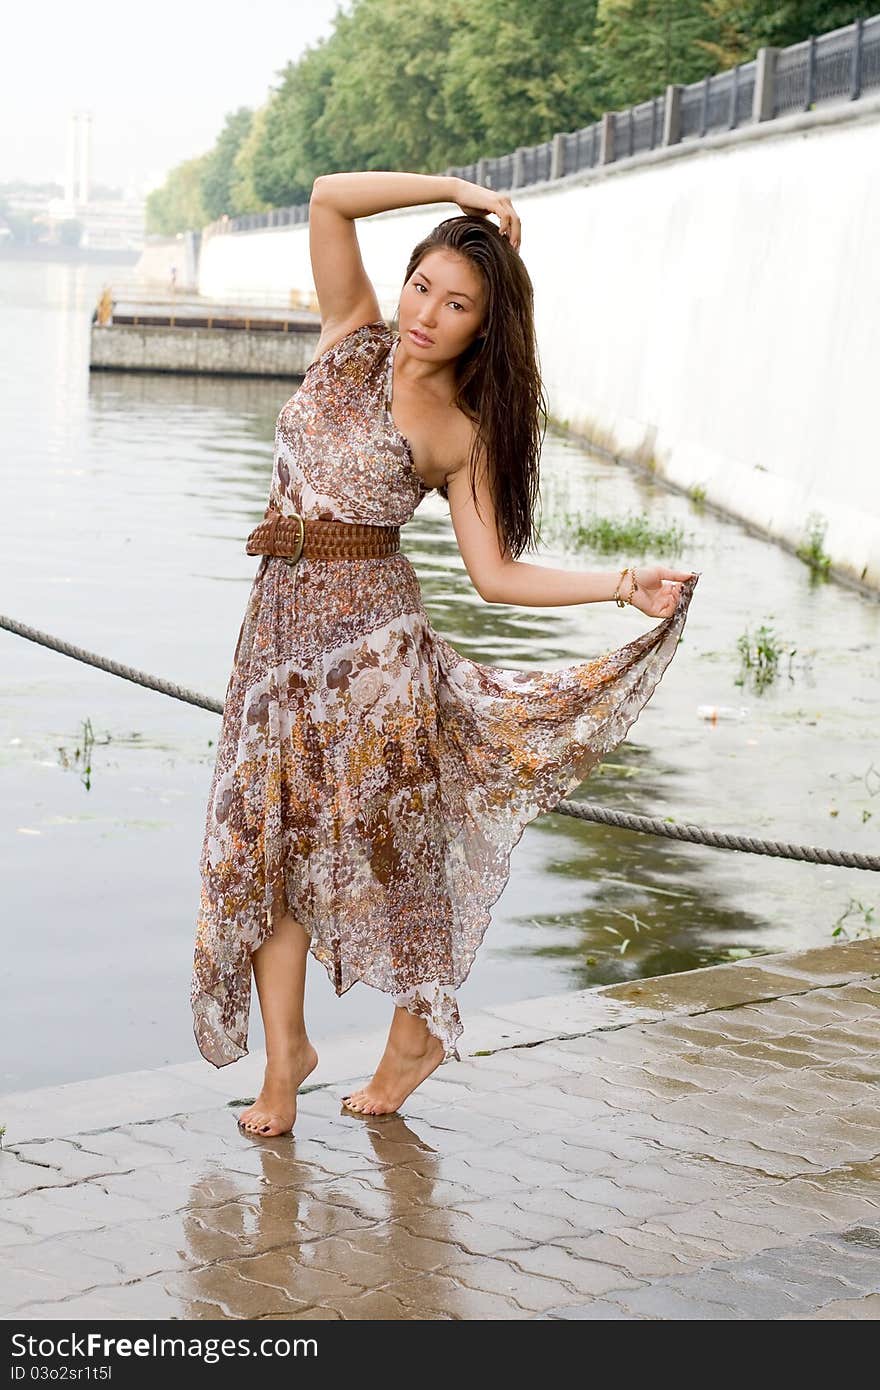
(369, 778)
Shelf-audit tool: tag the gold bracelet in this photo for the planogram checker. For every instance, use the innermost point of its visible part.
(621, 602)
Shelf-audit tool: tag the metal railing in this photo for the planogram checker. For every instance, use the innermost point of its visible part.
(839, 66)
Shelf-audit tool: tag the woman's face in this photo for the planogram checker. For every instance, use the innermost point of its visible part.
(441, 306)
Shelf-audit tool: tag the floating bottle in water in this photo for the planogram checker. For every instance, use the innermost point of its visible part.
(716, 712)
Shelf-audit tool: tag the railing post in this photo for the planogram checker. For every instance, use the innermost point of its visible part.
(704, 106)
(516, 177)
(606, 139)
(765, 84)
(855, 89)
(672, 115)
(653, 123)
(557, 156)
(482, 173)
(810, 94)
(734, 99)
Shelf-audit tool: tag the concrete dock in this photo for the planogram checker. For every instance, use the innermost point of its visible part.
(697, 1146)
(194, 336)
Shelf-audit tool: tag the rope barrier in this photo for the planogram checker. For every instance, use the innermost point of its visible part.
(116, 668)
(580, 810)
(718, 839)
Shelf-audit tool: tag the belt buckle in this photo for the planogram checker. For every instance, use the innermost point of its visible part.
(292, 559)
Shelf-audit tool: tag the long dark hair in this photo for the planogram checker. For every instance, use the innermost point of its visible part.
(498, 382)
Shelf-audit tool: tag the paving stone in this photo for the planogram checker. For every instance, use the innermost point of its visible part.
(222, 1286)
(855, 1040)
(617, 1197)
(531, 1291)
(419, 1254)
(129, 1252)
(753, 1061)
(145, 1299)
(583, 1276)
(52, 1163)
(600, 1310)
(821, 1201)
(467, 1129)
(662, 1300)
(475, 1232)
(22, 1286)
(681, 1162)
(64, 1265)
(375, 1304)
(760, 1296)
(358, 1264)
(523, 1168)
(465, 1172)
(845, 1309)
(862, 1275)
(806, 1285)
(681, 1181)
(79, 1207)
(299, 1280)
(718, 1236)
(315, 1313)
(126, 1149)
(439, 1292)
(626, 1262)
(518, 1066)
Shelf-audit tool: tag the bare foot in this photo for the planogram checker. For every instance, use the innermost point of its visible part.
(411, 1054)
(274, 1110)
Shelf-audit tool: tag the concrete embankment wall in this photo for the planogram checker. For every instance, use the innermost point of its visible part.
(162, 255)
(709, 310)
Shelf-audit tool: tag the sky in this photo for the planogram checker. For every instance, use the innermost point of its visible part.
(158, 76)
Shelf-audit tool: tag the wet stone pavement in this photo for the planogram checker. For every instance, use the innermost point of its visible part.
(699, 1146)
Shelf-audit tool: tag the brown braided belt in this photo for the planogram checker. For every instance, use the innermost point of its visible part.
(294, 536)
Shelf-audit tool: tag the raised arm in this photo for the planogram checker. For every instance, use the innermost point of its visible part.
(345, 295)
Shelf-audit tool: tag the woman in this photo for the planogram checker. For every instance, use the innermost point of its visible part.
(370, 781)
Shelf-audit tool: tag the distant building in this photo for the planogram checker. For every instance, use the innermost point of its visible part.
(106, 224)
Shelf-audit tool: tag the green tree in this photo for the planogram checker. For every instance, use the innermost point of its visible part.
(753, 23)
(517, 73)
(290, 151)
(177, 205)
(424, 84)
(384, 106)
(242, 191)
(642, 45)
(218, 167)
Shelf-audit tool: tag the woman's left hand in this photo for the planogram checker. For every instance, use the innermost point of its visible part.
(658, 589)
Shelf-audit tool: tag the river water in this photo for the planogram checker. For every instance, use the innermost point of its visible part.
(126, 500)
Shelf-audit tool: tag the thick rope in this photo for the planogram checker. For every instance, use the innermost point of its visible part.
(581, 810)
(718, 839)
(116, 668)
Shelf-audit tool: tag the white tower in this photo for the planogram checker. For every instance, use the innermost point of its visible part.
(78, 174)
(70, 168)
(85, 156)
